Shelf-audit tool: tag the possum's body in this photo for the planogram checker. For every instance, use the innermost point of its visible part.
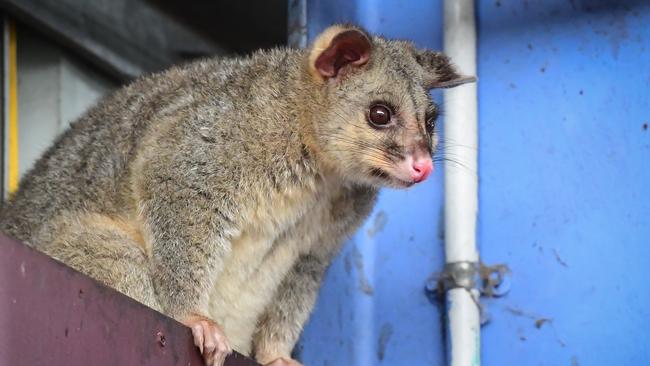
(218, 192)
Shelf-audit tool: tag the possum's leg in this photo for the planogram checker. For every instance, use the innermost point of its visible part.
(106, 249)
(280, 326)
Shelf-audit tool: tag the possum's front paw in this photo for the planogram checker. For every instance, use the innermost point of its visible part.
(284, 362)
(210, 339)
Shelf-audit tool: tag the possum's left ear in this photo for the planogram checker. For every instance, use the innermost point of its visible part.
(338, 49)
(439, 71)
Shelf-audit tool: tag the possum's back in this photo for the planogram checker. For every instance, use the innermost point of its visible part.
(87, 167)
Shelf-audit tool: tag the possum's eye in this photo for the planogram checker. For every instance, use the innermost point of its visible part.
(431, 117)
(379, 115)
(430, 125)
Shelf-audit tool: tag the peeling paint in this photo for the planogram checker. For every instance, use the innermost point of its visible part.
(364, 284)
(538, 321)
(347, 263)
(378, 225)
(559, 259)
(384, 336)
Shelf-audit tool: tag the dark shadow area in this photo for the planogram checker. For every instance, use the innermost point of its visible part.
(237, 26)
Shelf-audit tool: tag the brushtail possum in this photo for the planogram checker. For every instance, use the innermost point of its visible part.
(217, 192)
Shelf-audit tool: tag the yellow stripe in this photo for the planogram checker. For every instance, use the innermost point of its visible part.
(12, 150)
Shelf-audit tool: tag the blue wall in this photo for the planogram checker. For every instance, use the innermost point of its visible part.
(564, 170)
(565, 179)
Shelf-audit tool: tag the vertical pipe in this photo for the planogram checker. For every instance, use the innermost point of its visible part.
(461, 182)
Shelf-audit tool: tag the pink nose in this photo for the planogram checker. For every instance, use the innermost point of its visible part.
(421, 169)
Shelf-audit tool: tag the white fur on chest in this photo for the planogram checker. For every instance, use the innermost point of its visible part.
(262, 255)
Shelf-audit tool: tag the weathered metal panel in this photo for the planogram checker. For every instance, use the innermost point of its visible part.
(53, 315)
(564, 97)
(126, 38)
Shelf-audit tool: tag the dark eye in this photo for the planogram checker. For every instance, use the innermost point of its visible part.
(379, 115)
(430, 125)
(431, 117)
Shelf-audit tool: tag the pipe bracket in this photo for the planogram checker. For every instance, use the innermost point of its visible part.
(459, 275)
(475, 277)
(490, 281)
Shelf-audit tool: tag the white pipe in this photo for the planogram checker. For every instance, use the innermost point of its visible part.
(461, 182)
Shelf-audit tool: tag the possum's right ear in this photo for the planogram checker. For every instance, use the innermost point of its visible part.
(338, 50)
(439, 71)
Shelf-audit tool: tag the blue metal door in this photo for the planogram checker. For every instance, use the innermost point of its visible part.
(564, 166)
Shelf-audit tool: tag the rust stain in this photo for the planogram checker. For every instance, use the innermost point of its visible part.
(160, 339)
(540, 322)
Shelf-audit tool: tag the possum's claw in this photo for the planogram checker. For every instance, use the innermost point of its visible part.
(210, 339)
(284, 362)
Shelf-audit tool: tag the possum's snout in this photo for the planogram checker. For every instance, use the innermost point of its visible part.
(421, 169)
(414, 168)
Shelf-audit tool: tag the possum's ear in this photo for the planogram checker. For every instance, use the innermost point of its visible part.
(338, 50)
(439, 71)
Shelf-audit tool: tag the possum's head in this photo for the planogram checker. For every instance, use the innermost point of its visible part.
(377, 122)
